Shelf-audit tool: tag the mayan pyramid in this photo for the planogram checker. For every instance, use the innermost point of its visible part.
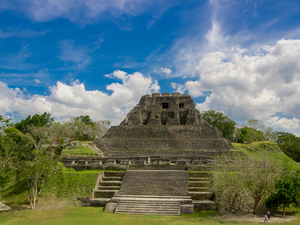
(163, 129)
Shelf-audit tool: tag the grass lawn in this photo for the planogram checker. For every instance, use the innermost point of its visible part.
(270, 148)
(90, 215)
(80, 150)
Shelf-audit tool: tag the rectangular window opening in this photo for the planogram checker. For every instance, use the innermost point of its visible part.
(165, 105)
(181, 105)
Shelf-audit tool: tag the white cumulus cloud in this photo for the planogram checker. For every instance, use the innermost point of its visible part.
(166, 70)
(74, 100)
(249, 86)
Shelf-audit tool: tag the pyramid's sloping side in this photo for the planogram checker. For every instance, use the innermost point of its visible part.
(164, 141)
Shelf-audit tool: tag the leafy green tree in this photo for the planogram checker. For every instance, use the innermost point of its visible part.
(86, 119)
(289, 144)
(6, 153)
(84, 129)
(13, 144)
(219, 120)
(36, 163)
(248, 134)
(254, 131)
(239, 180)
(287, 192)
(37, 120)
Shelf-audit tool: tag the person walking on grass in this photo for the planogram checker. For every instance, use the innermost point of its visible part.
(269, 214)
(266, 219)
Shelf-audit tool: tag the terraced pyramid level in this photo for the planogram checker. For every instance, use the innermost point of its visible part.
(163, 129)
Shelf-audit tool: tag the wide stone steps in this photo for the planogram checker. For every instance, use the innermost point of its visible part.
(199, 186)
(148, 207)
(108, 185)
(154, 182)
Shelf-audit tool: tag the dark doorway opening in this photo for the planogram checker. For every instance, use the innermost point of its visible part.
(171, 115)
(165, 105)
(181, 105)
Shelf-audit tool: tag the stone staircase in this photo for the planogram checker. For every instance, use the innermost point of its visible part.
(108, 185)
(155, 183)
(153, 192)
(200, 185)
(148, 206)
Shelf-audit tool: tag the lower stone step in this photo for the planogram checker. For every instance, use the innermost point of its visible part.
(109, 187)
(110, 183)
(177, 213)
(199, 174)
(201, 189)
(104, 193)
(204, 205)
(199, 183)
(196, 195)
(111, 178)
(148, 206)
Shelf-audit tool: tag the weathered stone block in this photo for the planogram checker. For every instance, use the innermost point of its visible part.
(155, 94)
(187, 209)
(4, 207)
(110, 207)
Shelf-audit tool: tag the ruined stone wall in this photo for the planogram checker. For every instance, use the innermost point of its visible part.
(164, 109)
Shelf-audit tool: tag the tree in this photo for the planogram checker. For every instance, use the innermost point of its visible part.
(239, 178)
(6, 153)
(219, 120)
(248, 134)
(86, 119)
(37, 120)
(289, 144)
(35, 164)
(287, 192)
(84, 129)
(59, 132)
(254, 131)
(228, 185)
(13, 144)
(259, 179)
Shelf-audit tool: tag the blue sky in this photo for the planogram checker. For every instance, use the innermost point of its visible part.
(92, 57)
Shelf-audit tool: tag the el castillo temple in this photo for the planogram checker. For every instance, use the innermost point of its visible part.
(165, 148)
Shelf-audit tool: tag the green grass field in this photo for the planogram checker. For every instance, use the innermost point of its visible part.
(269, 148)
(80, 150)
(89, 216)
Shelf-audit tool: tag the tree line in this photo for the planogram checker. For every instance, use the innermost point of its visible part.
(253, 131)
(245, 183)
(261, 179)
(32, 146)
